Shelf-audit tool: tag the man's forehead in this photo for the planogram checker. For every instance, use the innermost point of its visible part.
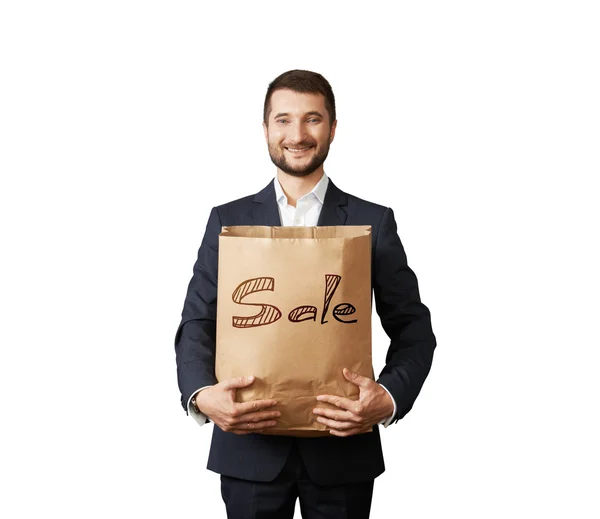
(286, 100)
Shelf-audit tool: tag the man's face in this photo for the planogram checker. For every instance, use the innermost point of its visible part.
(298, 133)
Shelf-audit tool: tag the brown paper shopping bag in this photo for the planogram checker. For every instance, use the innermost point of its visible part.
(294, 309)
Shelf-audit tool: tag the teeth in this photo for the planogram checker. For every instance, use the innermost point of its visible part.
(297, 149)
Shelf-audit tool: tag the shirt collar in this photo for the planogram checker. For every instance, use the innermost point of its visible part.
(318, 191)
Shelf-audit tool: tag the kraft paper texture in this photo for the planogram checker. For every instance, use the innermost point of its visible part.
(293, 309)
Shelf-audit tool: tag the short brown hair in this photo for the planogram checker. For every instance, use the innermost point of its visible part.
(305, 82)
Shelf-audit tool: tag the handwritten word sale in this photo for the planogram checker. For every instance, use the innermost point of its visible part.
(268, 314)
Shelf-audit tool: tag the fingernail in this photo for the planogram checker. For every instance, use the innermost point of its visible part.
(251, 378)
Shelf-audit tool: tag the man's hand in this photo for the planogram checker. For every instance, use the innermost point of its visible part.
(218, 403)
(356, 416)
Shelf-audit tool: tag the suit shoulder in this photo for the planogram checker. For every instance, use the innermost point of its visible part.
(237, 211)
(236, 204)
(365, 206)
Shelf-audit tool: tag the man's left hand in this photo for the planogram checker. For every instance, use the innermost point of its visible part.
(356, 416)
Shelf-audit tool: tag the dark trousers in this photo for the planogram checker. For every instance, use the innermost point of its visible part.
(277, 499)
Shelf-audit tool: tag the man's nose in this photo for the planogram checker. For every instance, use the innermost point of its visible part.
(298, 132)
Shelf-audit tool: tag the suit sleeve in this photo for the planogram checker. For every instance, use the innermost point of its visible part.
(406, 320)
(195, 337)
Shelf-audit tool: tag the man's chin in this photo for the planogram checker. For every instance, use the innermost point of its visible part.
(298, 173)
(295, 172)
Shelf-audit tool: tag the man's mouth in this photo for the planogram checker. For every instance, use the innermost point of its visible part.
(298, 150)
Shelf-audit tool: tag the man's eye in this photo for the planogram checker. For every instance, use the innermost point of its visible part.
(281, 120)
(313, 120)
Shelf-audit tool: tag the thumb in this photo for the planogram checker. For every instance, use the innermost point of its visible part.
(355, 378)
(239, 382)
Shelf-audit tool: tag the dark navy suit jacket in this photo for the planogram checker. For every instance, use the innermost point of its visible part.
(328, 460)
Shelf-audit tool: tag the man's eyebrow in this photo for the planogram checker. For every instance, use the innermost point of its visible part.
(285, 114)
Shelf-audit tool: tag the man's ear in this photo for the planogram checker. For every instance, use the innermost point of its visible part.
(332, 131)
(266, 130)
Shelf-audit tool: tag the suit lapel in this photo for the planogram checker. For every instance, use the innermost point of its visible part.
(265, 210)
(333, 212)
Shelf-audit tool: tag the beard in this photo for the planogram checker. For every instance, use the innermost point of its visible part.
(277, 155)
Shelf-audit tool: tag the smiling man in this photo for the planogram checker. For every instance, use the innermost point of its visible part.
(299, 135)
(262, 476)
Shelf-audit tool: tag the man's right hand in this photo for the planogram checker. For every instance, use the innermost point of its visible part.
(218, 403)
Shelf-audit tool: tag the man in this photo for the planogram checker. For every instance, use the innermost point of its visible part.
(263, 475)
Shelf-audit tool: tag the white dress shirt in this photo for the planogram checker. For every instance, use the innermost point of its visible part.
(306, 213)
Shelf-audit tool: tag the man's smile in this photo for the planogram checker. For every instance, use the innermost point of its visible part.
(298, 151)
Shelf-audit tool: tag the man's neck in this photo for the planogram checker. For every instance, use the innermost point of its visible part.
(296, 187)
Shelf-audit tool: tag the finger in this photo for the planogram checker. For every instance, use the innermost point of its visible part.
(357, 379)
(235, 383)
(250, 427)
(350, 432)
(340, 416)
(338, 401)
(253, 406)
(334, 424)
(256, 417)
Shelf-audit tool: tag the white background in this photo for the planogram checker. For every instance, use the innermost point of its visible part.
(122, 123)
